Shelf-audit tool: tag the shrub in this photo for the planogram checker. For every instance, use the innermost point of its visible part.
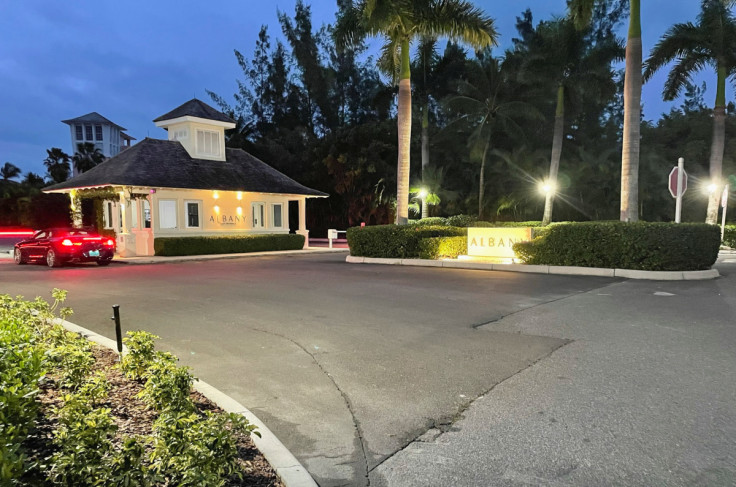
(171, 246)
(167, 386)
(532, 224)
(641, 245)
(431, 221)
(461, 221)
(21, 368)
(84, 439)
(140, 354)
(24, 362)
(394, 241)
(443, 247)
(729, 236)
(73, 359)
(190, 450)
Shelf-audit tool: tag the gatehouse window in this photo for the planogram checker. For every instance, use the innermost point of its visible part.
(193, 214)
(277, 220)
(167, 214)
(146, 214)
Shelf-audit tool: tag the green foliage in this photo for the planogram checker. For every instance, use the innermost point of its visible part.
(72, 358)
(128, 467)
(84, 441)
(171, 246)
(644, 246)
(167, 386)
(729, 236)
(21, 369)
(395, 241)
(191, 450)
(443, 247)
(140, 354)
(430, 221)
(461, 221)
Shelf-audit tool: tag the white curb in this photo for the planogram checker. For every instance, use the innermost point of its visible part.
(544, 269)
(287, 467)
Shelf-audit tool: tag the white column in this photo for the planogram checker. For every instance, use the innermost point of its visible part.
(75, 204)
(303, 221)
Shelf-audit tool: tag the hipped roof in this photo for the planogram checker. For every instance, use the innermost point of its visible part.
(167, 164)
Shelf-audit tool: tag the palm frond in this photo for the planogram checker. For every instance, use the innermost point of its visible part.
(456, 19)
(679, 40)
(681, 74)
(389, 62)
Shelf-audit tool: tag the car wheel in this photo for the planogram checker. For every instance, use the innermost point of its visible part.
(104, 261)
(51, 259)
(18, 257)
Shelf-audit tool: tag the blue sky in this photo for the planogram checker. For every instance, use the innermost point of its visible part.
(133, 61)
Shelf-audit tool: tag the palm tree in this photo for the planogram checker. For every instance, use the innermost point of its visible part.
(9, 171)
(400, 23)
(709, 42)
(87, 157)
(581, 11)
(487, 103)
(57, 165)
(563, 54)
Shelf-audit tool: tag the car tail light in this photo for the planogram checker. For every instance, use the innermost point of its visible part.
(110, 243)
(66, 242)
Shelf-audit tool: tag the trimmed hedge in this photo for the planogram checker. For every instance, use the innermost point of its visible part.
(641, 245)
(443, 247)
(729, 236)
(395, 241)
(171, 246)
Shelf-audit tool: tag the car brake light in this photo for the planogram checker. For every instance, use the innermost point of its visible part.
(110, 243)
(66, 242)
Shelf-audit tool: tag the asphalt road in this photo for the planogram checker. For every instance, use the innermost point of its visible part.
(351, 366)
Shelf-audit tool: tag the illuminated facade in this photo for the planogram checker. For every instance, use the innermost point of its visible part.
(190, 185)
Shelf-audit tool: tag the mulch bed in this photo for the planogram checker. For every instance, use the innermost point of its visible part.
(133, 418)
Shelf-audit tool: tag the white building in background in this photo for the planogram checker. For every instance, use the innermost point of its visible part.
(95, 129)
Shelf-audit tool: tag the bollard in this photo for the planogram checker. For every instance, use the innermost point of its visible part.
(118, 331)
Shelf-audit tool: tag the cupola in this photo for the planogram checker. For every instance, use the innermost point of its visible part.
(199, 128)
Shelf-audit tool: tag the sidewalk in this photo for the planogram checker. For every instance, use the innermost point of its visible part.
(187, 258)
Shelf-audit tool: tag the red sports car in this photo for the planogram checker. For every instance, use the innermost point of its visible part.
(56, 246)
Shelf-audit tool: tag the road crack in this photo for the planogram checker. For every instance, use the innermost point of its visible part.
(345, 398)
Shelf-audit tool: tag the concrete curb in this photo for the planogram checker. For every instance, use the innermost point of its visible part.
(192, 258)
(287, 467)
(545, 269)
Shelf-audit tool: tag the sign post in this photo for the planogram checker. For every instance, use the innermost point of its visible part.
(678, 186)
(724, 204)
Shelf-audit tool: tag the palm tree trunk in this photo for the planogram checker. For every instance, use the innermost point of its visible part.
(425, 152)
(632, 119)
(482, 179)
(716, 148)
(404, 130)
(554, 161)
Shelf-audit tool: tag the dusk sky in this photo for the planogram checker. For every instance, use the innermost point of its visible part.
(133, 61)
